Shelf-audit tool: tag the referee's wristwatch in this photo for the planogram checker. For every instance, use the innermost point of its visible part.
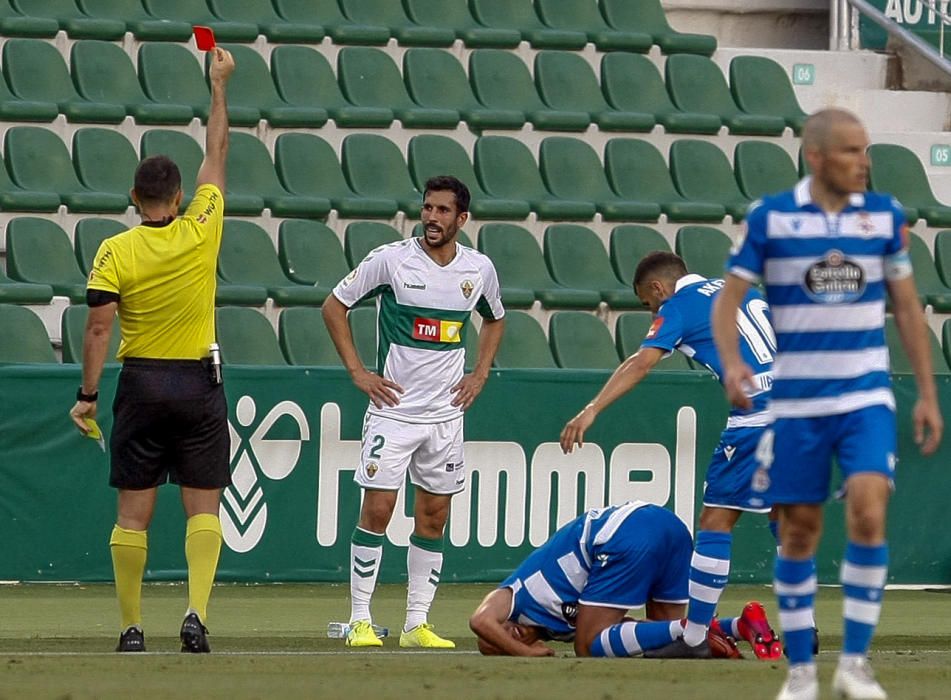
(87, 398)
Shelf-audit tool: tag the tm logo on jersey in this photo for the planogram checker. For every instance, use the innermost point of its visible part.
(271, 451)
(835, 279)
(435, 331)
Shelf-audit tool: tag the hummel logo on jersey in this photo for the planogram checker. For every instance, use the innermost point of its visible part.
(728, 451)
(436, 331)
(407, 285)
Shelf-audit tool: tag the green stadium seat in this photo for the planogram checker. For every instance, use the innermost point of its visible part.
(363, 329)
(247, 257)
(14, 109)
(304, 338)
(507, 169)
(182, 149)
(632, 83)
(39, 251)
(360, 237)
(761, 86)
(252, 88)
(295, 157)
(15, 198)
(580, 340)
(572, 170)
(577, 258)
(520, 15)
(375, 167)
(105, 161)
(648, 16)
(304, 78)
(897, 170)
(702, 173)
(36, 71)
(629, 332)
(143, 26)
(461, 236)
(583, 15)
(14, 292)
(72, 20)
(763, 168)
(524, 345)
(339, 28)
(38, 161)
(431, 155)
(104, 74)
(89, 235)
(930, 287)
(310, 253)
(24, 338)
(251, 175)
(246, 337)
(402, 28)
(898, 358)
(566, 82)
(523, 274)
(704, 249)
(170, 74)
(227, 294)
(629, 243)
(455, 14)
(637, 172)
(16, 24)
(370, 78)
(942, 255)
(197, 12)
(696, 84)
(73, 330)
(275, 28)
(436, 79)
(501, 80)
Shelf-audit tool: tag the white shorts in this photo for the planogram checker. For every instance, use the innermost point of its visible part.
(431, 452)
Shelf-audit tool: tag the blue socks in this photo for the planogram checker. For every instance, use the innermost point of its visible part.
(633, 638)
(863, 575)
(795, 586)
(709, 573)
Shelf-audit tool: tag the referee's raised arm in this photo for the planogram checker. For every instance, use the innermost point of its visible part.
(212, 171)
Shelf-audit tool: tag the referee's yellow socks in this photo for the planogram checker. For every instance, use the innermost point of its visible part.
(202, 546)
(129, 550)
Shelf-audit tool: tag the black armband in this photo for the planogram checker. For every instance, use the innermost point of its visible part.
(100, 297)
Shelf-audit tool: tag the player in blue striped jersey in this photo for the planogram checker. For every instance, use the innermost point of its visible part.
(827, 252)
(682, 303)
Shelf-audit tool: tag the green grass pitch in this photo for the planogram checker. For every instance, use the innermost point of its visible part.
(269, 641)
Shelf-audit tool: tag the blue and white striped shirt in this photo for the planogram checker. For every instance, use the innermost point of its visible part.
(825, 277)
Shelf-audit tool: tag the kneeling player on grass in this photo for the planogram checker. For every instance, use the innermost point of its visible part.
(580, 584)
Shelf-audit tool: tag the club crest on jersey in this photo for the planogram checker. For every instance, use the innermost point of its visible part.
(435, 331)
(466, 286)
(372, 469)
(835, 279)
(655, 326)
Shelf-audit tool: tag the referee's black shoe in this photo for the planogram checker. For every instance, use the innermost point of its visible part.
(194, 635)
(133, 639)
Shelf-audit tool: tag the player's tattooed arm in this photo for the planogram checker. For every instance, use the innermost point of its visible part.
(497, 636)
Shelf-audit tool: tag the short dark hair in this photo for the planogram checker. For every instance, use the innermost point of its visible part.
(659, 263)
(157, 179)
(444, 183)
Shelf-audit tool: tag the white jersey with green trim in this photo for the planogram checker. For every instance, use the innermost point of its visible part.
(423, 315)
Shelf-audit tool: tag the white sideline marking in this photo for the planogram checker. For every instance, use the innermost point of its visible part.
(347, 652)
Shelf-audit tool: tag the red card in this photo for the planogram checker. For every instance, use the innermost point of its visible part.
(204, 38)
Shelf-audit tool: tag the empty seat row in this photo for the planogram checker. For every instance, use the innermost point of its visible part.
(299, 89)
(568, 24)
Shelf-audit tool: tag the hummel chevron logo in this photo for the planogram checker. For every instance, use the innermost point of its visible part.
(434, 577)
(364, 568)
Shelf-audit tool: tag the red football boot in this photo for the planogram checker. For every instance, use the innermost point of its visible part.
(754, 628)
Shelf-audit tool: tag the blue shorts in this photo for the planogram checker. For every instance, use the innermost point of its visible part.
(729, 482)
(863, 441)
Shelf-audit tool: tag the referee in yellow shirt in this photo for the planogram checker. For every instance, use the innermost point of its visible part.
(170, 413)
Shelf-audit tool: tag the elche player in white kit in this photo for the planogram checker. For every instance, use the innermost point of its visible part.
(426, 290)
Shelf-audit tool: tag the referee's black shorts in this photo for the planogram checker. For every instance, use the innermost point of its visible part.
(171, 425)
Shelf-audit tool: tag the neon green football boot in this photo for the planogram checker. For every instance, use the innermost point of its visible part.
(361, 634)
(423, 637)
